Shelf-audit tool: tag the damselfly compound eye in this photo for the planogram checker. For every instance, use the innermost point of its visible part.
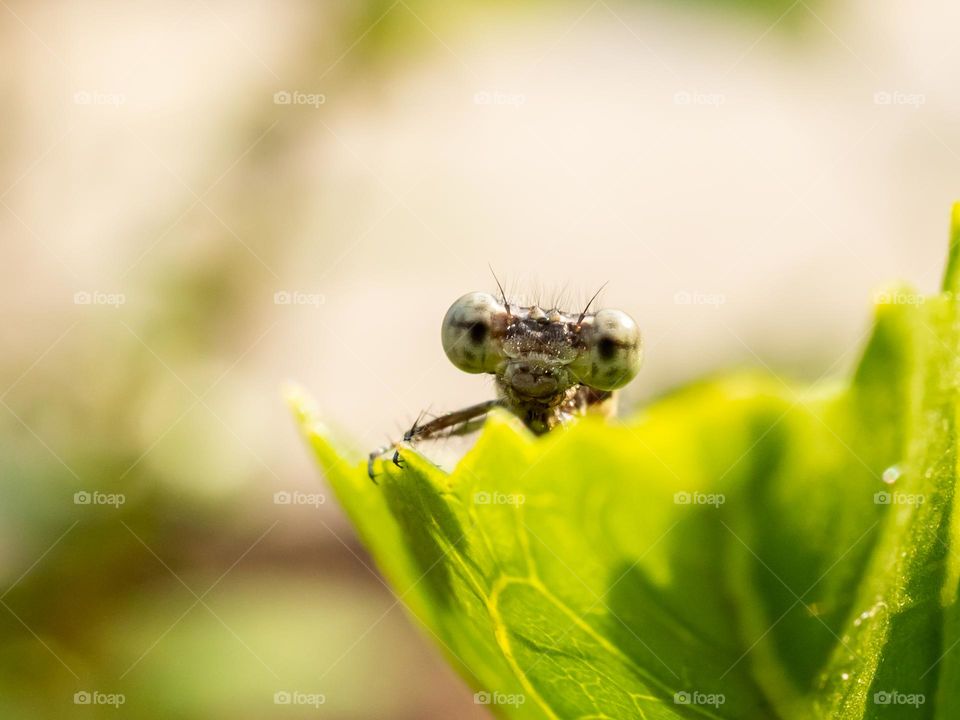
(612, 350)
(471, 332)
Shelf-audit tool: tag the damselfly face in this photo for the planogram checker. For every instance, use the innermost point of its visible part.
(547, 363)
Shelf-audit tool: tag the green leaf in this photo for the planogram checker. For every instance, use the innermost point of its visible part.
(743, 548)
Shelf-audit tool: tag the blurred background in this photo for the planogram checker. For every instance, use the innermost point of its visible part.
(202, 200)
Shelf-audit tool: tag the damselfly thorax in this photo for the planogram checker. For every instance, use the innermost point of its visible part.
(548, 365)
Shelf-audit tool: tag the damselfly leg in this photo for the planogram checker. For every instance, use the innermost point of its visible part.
(459, 422)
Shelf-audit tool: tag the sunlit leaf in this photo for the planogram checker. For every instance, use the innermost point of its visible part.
(744, 548)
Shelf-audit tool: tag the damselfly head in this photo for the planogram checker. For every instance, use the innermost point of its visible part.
(539, 354)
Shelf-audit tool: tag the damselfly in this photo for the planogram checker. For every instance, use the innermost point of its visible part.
(548, 365)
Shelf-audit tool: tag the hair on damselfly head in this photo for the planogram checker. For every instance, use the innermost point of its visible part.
(583, 313)
(503, 295)
(534, 294)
